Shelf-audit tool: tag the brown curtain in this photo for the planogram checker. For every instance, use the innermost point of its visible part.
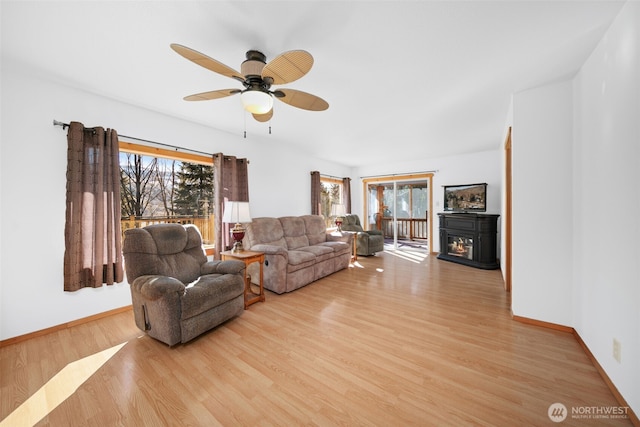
(230, 183)
(346, 194)
(316, 192)
(93, 254)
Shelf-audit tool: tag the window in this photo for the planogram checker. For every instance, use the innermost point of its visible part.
(159, 186)
(331, 194)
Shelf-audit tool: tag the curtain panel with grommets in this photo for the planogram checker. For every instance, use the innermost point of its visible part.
(93, 238)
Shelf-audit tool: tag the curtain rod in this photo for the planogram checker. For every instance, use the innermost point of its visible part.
(66, 125)
(331, 176)
(399, 174)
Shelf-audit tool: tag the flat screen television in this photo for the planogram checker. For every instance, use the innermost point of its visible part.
(465, 198)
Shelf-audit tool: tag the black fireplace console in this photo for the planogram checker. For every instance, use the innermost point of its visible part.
(470, 239)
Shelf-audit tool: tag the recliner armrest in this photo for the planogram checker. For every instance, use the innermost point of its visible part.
(155, 287)
(374, 232)
(222, 267)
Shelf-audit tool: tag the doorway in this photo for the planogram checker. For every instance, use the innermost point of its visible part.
(508, 212)
(400, 207)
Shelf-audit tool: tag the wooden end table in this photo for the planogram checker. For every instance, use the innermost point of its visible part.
(249, 257)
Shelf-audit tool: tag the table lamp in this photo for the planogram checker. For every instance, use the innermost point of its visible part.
(238, 213)
(337, 211)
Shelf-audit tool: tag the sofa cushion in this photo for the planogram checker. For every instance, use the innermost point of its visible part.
(168, 239)
(321, 252)
(351, 223)
(164, 249)
(337, 247)
(294, 232)
(300, 259)
(316, 229)
(265, 230)
(210, 291)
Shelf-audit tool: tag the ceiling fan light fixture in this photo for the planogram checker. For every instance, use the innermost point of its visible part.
(257, 76)
(256, 101)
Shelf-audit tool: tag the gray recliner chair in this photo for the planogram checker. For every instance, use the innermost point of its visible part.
(177, 293)
(367, 242)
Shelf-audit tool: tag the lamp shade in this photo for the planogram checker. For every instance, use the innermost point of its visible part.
(236, 212)
(337, 209)
(256, 101)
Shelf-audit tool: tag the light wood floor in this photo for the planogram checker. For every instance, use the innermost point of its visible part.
(391, 341)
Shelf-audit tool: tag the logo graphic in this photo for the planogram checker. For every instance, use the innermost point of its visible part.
(557, 412)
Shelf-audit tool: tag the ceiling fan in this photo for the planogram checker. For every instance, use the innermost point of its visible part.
(257, 76)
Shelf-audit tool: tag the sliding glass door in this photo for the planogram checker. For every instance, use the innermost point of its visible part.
(400, 208)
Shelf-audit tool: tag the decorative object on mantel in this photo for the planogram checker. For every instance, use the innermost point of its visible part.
(337, 211)
(238, 213)
(257, 76)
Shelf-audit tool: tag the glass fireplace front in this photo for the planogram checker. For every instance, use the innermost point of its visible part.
(460, 246)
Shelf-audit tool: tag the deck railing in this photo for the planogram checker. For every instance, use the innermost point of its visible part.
(204, 223)
(408, 228)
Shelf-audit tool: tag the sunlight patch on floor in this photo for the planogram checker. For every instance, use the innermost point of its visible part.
(355, 264)
(413, 256)
(58, 389)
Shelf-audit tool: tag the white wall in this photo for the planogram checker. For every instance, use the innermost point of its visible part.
(606, 285)
(484, 166)
(542, 203)
(33, 180)
(576, 199)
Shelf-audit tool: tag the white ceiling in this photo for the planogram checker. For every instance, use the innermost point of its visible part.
(402, 78)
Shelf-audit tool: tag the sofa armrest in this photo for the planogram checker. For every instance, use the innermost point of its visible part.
(154, 287)
(270, 250)
(337, 236)
(222, 267)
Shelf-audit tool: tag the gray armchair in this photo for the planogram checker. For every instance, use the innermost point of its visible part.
(367, 242)
(176, 293)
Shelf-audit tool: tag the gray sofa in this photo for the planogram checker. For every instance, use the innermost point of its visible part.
(298, 250)
(176, 293)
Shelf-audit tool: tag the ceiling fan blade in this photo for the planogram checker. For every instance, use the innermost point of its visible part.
(264, 117)
(214, 94)
(207, 62)
(288, 67)
(300, 99)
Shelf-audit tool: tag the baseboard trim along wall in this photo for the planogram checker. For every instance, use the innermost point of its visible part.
(614, 390)
(63, 326)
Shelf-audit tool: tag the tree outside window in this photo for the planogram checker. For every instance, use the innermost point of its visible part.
(158, 189)
(331, 194)
(194, 190)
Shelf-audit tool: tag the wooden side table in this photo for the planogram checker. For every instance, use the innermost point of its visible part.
(248, 257)
(354, 248)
